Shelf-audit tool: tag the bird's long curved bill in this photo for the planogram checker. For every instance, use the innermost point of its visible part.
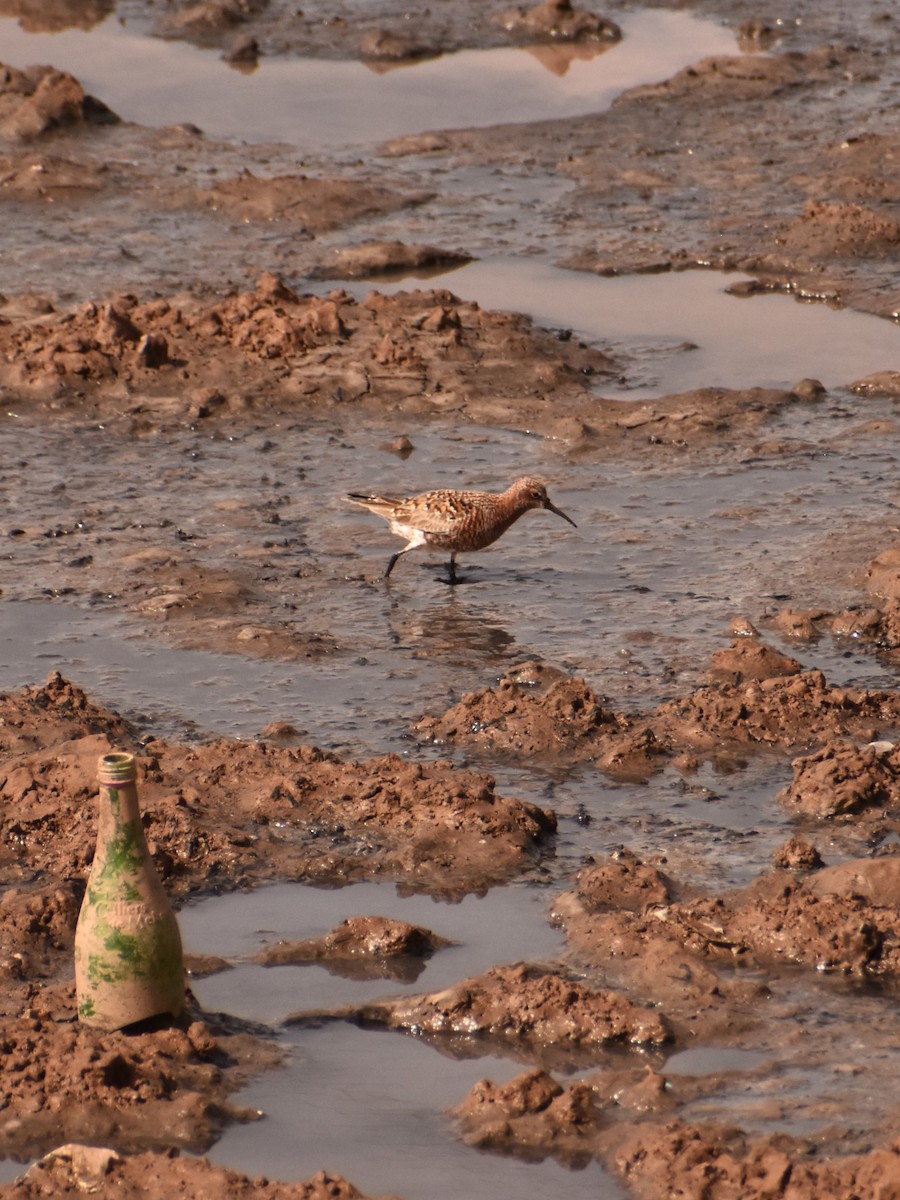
(559, 512)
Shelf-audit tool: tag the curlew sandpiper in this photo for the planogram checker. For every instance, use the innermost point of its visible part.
(457, 521)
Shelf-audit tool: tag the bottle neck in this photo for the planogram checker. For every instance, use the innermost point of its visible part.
(121, 844)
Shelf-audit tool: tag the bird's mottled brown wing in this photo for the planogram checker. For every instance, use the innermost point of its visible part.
(435, 512)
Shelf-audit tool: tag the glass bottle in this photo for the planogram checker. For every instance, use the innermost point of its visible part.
(128, 957)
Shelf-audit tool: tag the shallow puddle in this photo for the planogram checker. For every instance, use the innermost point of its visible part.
(315, 104)
(375, 1104)
(372, 1104)
(508, 924)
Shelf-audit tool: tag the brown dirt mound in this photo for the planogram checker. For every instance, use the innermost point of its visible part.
(720, 1164)
(40, 99)
(838, 919)
(531, 1116)
(843, 778)
(222, 815)
(65, 1081)
(835, 230)
(529, 1009)
(368, 943)
(520, 715)
(73, 1170)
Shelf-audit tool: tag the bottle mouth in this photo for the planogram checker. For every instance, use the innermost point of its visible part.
(117, 767)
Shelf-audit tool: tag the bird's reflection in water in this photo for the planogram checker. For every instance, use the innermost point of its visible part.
(450, 629)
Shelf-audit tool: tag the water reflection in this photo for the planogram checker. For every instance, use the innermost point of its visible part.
(558, 59)
(450, 629)
(317, 103)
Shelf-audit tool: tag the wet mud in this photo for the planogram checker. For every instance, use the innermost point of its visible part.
(168, 297)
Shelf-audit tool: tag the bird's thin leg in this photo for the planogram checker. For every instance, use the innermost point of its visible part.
(452, 568)
(392, 563)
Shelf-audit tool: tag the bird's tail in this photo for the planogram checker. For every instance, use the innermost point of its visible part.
(383, 505)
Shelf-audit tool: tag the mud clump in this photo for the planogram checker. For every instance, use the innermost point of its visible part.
(222, 814)
(558, 21)
(362, 948)
(750, 658)
(842, 778)
(836, 919)
(622, 883)
(531, 1116)
(796, 854)
(63, 1081)
(383, 258)
(40, 99)
(836, 230)
(560, 714)
(525, 1010)
(315, 205)
(420, 351)
(660, 1160)
(531, 710)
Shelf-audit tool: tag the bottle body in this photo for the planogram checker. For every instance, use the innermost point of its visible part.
(128, 957)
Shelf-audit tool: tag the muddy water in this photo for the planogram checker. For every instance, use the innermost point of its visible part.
(318, 104)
